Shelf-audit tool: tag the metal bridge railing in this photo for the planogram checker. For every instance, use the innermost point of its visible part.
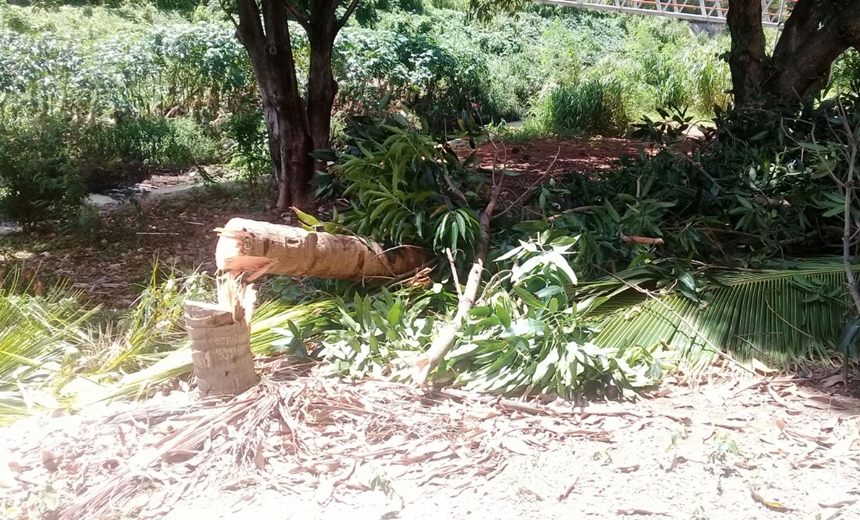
(774, 12)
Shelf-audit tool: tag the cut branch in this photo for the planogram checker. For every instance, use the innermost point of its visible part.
(258, 248)
(846, 236)
(445, 338)
(650, 241)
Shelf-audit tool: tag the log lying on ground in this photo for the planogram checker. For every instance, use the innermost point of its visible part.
(258, 248)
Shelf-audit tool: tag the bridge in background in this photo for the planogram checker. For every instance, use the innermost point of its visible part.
(774, 12)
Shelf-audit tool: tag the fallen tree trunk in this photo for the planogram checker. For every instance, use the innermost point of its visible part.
(258, 248)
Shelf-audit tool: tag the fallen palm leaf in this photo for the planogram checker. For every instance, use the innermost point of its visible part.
(769, 316)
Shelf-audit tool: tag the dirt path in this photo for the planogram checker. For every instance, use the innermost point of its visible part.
(109, 262)
(315, 448)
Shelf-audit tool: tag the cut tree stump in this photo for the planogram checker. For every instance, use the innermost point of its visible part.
(258, 248)
(221, 340)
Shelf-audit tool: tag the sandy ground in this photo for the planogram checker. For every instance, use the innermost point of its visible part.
(741, 449)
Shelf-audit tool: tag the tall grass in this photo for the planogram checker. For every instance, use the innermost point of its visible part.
(593, 107)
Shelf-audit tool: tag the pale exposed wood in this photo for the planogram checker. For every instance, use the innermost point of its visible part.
(221, 339)
(258, 248)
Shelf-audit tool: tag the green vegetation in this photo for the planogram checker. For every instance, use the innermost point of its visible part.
(593, 286)
(116, 92)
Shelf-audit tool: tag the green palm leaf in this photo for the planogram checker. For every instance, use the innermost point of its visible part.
(37, 337)
(779, 316)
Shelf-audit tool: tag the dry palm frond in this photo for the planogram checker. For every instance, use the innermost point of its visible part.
(243, 415)
(780, 317)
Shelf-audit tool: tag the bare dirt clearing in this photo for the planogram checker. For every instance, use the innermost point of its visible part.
(312, 447)
(581, 155)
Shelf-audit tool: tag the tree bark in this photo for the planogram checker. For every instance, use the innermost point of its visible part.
(322, 32)
(294, 127)
(258, 248)
(815, 35)
(747, 56)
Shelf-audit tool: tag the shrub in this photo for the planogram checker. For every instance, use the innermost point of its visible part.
(593, 107)
(846, 72)
(39, 179)
(147, 142)
(246, 134)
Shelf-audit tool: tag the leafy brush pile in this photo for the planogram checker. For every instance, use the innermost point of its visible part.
(523, 335)
(688, 248)
(757, 189)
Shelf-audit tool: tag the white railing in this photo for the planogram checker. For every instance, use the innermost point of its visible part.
(774, 12)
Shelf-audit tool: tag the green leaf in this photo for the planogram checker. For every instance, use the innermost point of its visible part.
(395, 313)
(562, 264)
(306, 219)
(503, 316)
(528, 298)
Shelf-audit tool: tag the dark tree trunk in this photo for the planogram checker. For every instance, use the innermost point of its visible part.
(321, 98)
(816, 33)
(295, 126)
(747, 57)
(321, 34)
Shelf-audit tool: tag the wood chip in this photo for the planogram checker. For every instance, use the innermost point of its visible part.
(516, 445)
(640, 511)
(568, 490)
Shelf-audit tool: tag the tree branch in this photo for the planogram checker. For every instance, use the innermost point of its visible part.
(349, 10)
(448, 334)
(846, 234)
(302, 20)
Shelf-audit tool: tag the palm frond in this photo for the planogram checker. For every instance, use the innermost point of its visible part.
(39, 336)
(779, 317)
(268, 325)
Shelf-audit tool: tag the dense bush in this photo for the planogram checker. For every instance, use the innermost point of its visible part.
(46, 168)
(38, 178)
(755, 189)
(146, 142)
